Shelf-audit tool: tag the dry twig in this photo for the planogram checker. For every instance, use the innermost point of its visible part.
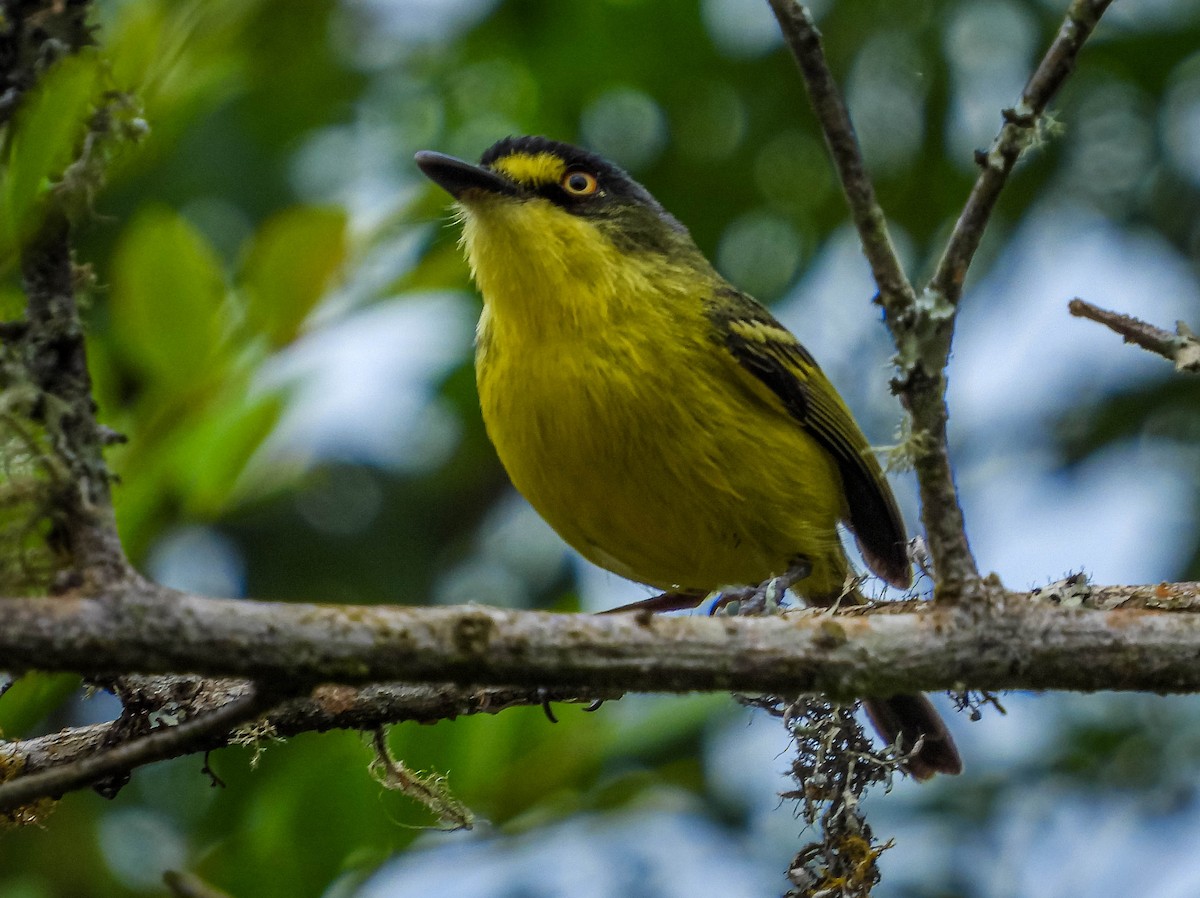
(1181, 347)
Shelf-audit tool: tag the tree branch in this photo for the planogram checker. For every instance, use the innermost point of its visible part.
(44, 358)
(1020, 131)
(326, 707)
(55, 360)
(34, 37)
(923, 326)
(1018, 644)
(911, 321)
(924, 342)
(158, 745)
(329, 706)
(1181, 347)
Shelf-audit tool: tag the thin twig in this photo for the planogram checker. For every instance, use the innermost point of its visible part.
(1181, 347)
(1019, 132)
(924, 346)
(329, 706)
(895, 292)
(913, 324)
(427, 789)
(157, 745)
(924, 343)
(923, 326)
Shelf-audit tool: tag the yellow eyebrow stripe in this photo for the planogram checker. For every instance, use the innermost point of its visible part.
(543, 168)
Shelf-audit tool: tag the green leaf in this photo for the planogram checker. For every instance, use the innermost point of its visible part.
(176, 56)
(193, 464)
(292, 261)
(168, 300)
(138, 45)
(211, 462)
(48, 129)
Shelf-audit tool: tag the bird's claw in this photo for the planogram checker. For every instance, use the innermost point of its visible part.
(765, 598)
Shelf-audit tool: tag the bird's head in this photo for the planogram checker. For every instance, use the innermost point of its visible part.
(539, 214)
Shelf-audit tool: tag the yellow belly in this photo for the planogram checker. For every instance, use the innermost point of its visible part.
(680, 478)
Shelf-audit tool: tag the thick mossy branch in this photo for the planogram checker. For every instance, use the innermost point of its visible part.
(50, 360)
(1135, 638)
(48, 411)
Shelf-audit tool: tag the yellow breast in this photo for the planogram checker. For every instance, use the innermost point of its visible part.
(617, 417)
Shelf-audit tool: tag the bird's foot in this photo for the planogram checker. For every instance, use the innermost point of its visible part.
(765, 598)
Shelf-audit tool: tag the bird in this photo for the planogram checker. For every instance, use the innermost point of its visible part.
(662, 421)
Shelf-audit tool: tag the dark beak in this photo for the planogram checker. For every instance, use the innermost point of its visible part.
(458, 177)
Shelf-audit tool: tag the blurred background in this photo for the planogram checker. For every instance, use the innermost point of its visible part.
(282, 324)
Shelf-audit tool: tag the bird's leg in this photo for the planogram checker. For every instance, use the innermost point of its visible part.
(766, 597)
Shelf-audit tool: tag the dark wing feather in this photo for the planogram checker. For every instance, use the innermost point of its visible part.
(766, 350)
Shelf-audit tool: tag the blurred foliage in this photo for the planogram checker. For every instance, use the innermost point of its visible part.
(260, 195)
(48, 127)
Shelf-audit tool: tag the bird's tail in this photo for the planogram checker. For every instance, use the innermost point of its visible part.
(902, 720)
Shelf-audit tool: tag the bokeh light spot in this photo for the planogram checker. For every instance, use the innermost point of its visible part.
(1181, 119)
(760, 253)
(626, 126)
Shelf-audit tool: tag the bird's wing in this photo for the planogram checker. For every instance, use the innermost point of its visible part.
(768, 352)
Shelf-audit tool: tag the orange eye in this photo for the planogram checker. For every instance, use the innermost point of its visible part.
(580, 183)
